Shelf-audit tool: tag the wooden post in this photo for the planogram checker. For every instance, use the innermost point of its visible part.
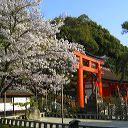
(5, 104)
(62, 104)
(46, 100)
(13, 105)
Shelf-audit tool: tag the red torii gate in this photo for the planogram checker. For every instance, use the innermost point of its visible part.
(93, 65)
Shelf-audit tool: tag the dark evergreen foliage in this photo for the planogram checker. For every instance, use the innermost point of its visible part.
(96, 40)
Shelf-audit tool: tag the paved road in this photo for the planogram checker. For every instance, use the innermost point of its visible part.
(104, 123)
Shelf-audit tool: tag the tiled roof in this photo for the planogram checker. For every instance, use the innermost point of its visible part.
(110, 76)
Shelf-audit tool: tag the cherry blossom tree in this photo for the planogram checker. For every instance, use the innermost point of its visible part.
(30, 55)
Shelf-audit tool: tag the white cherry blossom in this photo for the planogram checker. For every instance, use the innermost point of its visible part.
(30, 54)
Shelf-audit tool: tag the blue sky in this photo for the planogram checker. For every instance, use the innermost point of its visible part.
(110, 14)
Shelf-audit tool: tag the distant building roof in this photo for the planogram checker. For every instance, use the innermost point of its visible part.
(17, 93)
(108, 75)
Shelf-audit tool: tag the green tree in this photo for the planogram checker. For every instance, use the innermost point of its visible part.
(96, 39)
(125, 27)
(119, 64)
(123, 58)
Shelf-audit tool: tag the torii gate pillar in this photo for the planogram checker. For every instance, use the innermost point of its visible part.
(80, 87)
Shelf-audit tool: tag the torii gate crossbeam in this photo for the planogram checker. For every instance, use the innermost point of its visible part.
(93, 65)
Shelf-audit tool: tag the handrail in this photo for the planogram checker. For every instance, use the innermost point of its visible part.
(40, 124)
(90, 116)
(31, 123)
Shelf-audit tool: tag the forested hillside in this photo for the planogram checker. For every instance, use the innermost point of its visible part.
(96, 39)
